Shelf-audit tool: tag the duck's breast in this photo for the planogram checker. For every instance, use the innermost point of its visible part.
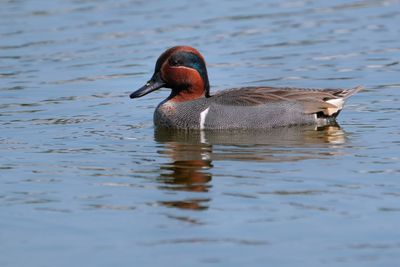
(180, 115)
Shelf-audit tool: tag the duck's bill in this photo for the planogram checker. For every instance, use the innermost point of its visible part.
(154, 84)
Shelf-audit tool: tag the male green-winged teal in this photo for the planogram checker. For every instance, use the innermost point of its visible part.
(190, 105)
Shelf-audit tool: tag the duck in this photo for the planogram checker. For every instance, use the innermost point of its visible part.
(191, 106)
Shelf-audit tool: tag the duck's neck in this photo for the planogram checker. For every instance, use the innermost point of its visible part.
(186, 94)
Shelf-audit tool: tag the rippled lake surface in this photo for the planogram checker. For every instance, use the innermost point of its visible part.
(86, 180)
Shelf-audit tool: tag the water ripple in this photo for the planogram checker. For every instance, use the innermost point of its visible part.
(83, 163)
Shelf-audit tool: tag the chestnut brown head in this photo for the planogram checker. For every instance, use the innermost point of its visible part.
(181, 68)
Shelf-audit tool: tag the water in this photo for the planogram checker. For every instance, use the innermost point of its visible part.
(87, 181)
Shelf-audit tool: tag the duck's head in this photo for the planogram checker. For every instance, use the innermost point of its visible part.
(181, 68)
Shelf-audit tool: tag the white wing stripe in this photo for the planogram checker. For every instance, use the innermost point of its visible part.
(203, 115)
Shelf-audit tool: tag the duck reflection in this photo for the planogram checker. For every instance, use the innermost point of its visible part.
(189, 169)
(191, 153)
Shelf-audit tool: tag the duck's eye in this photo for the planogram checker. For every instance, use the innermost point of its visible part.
(175, 62)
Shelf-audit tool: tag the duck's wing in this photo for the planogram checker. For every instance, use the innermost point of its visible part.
(328, 101)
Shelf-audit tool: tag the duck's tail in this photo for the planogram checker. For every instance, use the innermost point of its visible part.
(336, 103)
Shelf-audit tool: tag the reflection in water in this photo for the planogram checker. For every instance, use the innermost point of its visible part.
(191, 153)
(188, 170)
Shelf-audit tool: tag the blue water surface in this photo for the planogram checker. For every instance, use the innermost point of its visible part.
(86, 180)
